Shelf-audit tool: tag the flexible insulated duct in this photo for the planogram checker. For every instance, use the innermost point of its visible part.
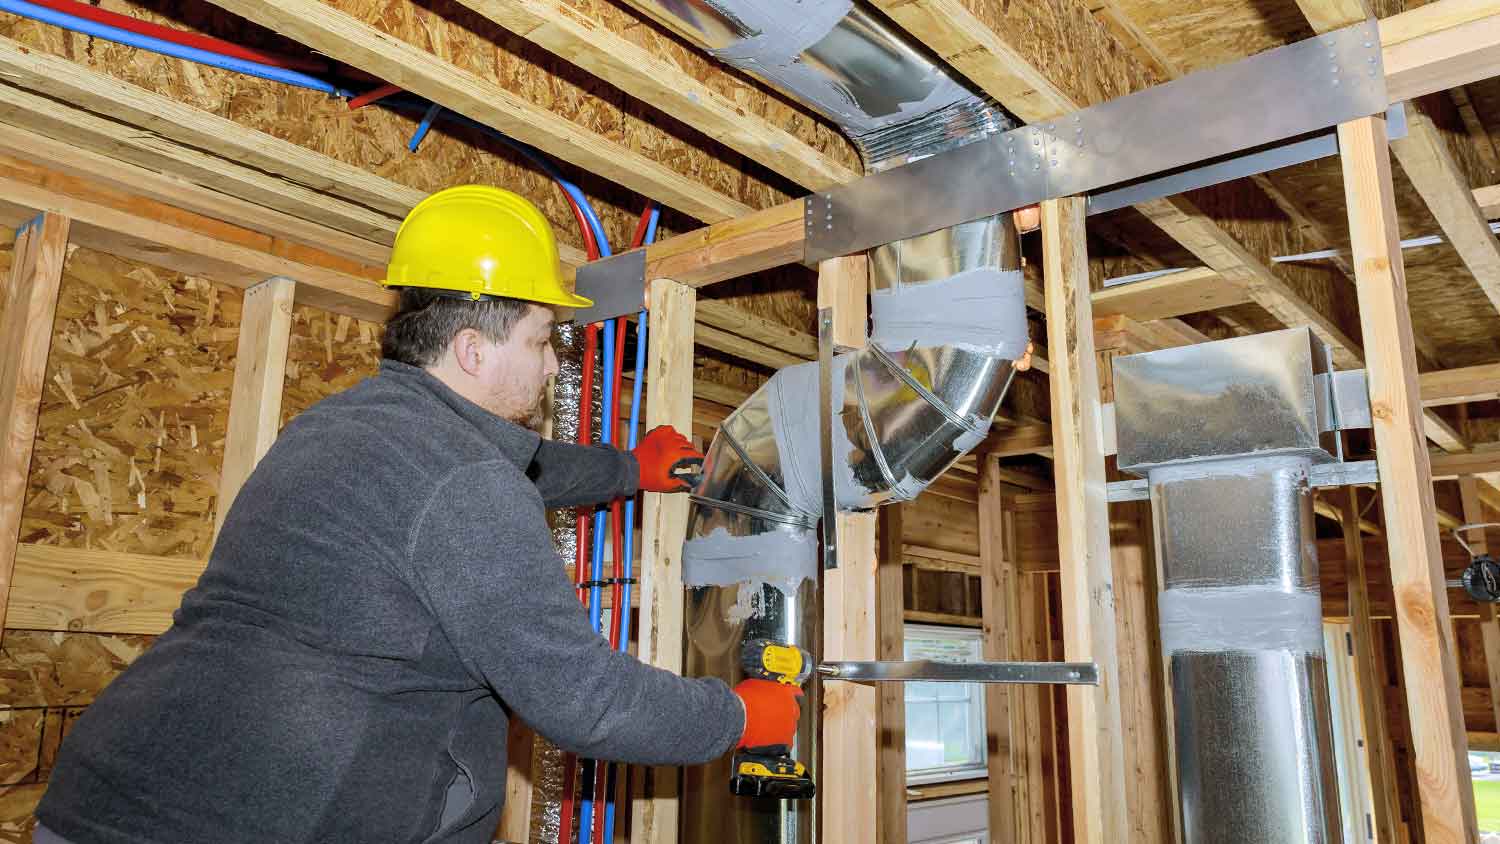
(948, 319)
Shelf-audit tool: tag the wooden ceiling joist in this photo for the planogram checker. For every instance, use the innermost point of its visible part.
(1183, 292)
(360, 44)
(593, 37)
(1428, 163)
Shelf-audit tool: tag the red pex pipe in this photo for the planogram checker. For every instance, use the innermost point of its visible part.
(178, 36)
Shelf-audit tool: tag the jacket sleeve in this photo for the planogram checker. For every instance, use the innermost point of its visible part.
(569, 475)
(481, 555)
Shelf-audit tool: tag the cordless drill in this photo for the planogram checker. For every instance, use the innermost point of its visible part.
(771, 771)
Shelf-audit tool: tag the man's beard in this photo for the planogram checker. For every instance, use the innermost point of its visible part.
(534, 417)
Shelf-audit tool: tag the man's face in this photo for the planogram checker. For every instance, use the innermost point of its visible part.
(513, 375)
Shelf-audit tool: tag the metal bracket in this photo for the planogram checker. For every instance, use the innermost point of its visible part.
(1356, 473)
(931, 671)
(825, 436)
(617, 285)
(1247, 105)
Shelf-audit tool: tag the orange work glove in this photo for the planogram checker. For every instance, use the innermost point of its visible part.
(669, 463)
(771, 713)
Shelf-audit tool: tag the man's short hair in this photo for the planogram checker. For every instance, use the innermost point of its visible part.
(428, 320)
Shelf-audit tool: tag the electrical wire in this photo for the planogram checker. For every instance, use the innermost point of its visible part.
(199, 55)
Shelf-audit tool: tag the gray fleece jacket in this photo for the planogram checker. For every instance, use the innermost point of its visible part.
(383, 596)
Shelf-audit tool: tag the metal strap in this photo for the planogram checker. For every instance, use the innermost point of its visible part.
(825, 435)
(732, 507)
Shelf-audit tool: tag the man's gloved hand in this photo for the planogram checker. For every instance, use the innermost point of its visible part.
(669, 463)
(771, 713)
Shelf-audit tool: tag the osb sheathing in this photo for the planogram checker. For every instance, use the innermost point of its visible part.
(130, 438)
(46, 680)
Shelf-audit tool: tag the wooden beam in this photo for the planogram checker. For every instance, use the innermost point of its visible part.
(1183, 292)
(515, 815)
(1386, 800)
(669, 401)
(1460, 386)
(997, 584)
(1095, 730)
(352, 40)
(850, 804)
(595, 40)
(1439, 46)
(162, 235)
(211, 187)
(28, 304)
(890, 775)
(1325, 15)
(943, 618)
(78, 589)
(1428, 163)
(1483, 460)
(1447, 801)
(255, 399)
(765, 239)
(743, 348)
(730, 318)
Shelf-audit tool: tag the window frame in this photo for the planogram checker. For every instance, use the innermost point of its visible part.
(977, 716)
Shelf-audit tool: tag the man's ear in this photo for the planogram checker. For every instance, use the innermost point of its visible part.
(467, 349)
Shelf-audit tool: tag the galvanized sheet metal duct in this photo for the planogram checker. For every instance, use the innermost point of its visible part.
(1226, 433)
(948, 319)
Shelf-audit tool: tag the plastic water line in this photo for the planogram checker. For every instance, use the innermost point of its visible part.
(185, 52)
(190, 39)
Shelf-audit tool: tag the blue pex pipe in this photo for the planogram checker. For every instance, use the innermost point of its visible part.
(167, 48)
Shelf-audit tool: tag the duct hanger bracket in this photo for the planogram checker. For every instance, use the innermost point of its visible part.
(1225, 117)
(1356, 473)
(617, 285)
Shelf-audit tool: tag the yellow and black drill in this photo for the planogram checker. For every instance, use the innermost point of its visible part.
(771, 771)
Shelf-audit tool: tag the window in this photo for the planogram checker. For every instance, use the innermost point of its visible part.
(944, 721)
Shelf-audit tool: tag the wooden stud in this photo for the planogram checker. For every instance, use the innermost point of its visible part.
(669, 401)
(1095, 731)
(1386, 802)
(891, 630)
(850, 801)
(1183, 292)
(1447, 801)
(27, 306)
(997, 582)
(259, 372)
(515, 815)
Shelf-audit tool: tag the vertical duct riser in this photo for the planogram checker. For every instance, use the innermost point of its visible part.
(1241, 623)
(1226, 433)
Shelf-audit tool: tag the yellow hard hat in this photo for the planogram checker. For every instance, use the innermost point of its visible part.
(482, 241)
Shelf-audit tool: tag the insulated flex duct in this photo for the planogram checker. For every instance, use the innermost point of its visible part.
(1226, 433)
(948, 318)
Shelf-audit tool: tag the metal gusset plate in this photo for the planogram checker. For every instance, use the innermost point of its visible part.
(617, 285)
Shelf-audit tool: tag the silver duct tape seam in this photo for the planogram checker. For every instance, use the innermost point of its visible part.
(1241, 618)
(779, 558)
(980, 310)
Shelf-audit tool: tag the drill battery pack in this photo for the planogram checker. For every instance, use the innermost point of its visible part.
(770, 772)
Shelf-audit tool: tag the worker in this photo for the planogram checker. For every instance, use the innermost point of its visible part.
(385, 595)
